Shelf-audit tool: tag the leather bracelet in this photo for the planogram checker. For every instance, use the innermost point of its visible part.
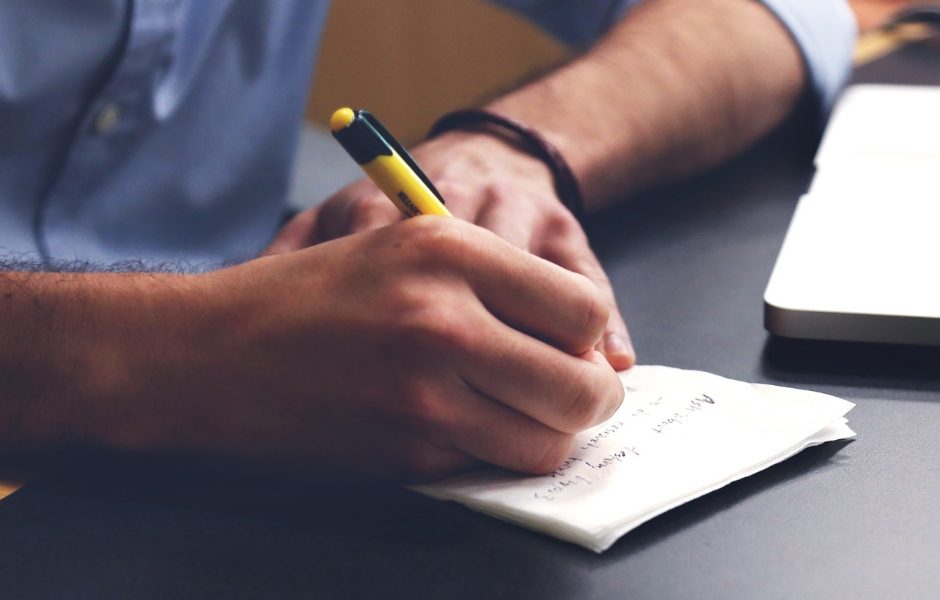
(566, 184)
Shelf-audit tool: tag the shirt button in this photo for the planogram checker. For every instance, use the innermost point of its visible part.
(107, 118)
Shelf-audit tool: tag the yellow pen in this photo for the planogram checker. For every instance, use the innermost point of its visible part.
(386, 163)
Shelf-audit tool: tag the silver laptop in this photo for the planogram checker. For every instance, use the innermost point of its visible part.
(861, 259)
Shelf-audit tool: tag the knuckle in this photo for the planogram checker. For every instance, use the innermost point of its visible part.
(561, 223)
(565, 242)
(456, 333)
(501, 194)
(451, 189)
(436, 239)
(407, 303)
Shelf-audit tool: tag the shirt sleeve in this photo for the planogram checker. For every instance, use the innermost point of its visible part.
(824, 30)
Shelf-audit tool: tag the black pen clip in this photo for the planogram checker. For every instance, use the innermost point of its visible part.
(405, 156)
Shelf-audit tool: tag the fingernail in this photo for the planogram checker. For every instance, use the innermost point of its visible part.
(616, 345)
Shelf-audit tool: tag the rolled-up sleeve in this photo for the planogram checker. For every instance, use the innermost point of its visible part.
(824, 30)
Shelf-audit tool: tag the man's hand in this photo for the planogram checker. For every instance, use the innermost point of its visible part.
(487, 182)
(405, 353)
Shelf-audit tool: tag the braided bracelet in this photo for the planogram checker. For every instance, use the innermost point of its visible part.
(566, 185)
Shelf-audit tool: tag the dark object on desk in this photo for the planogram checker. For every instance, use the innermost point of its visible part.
(927, 14)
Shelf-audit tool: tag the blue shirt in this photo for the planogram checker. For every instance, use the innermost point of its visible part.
(163, 130)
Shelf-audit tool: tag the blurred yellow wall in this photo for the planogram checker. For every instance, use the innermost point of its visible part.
(409, 61)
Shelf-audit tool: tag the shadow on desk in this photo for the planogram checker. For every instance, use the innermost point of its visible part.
(362, 537)
(700, 510)
(326, 504)
(851, 364)
(349, 517)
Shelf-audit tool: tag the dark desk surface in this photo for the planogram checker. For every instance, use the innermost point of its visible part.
(856, 520)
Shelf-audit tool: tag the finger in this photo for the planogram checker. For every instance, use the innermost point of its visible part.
(493, 433)
(351, 209)
(534, 295)
(565, 393)
(371, 212)
(574, 254)
(296, 234)
(512, 221)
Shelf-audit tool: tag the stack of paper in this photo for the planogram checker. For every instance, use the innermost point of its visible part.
(679, 435)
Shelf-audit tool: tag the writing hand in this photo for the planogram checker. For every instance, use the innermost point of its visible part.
(486, 182)
(407, 353)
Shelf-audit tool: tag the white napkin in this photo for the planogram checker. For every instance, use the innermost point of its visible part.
(679, 435)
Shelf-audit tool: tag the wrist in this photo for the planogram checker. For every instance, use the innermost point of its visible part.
(141, 364)
(68, 357)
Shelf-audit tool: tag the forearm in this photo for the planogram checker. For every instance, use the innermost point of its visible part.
(673, 89)
(73, 352)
